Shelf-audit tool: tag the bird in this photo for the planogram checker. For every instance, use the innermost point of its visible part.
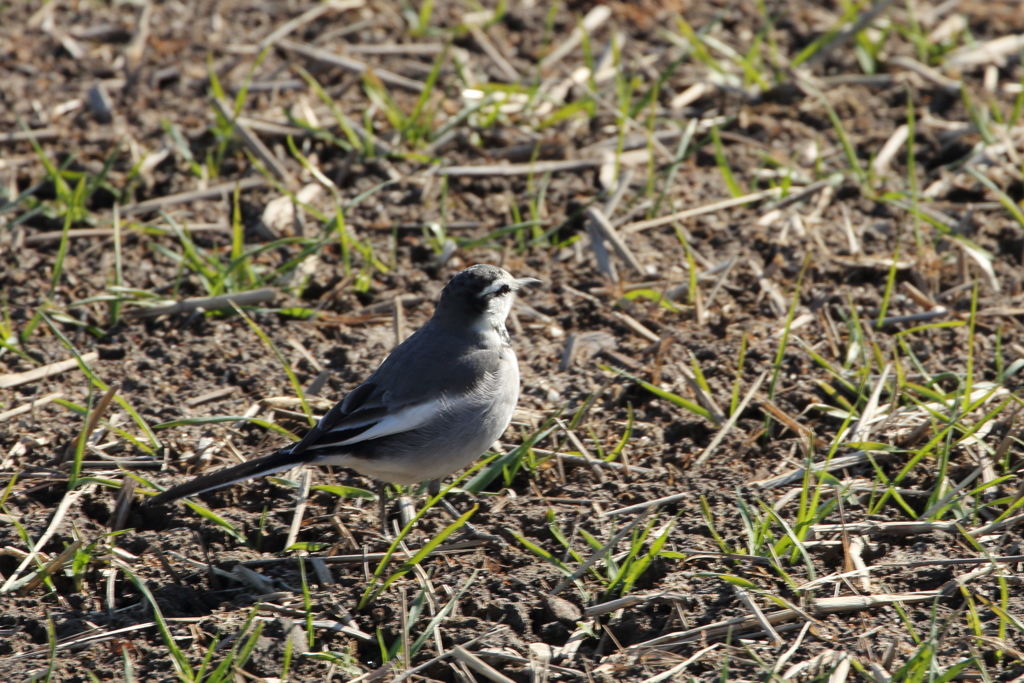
(432, 407)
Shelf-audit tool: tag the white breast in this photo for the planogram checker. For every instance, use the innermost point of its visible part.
(461, 434)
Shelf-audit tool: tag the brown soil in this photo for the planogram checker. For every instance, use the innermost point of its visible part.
(159, 364)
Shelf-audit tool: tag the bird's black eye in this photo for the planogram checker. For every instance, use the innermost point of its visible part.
(505, 289)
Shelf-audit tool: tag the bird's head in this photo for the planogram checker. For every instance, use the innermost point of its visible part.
(480, 298)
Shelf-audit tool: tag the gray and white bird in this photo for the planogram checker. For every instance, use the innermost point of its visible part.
(434, 405)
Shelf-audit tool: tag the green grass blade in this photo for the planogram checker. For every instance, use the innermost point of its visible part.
(178, 658)
(676, 399)
(296, 385)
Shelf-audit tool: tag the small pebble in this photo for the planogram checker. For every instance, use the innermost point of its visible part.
(100, 104)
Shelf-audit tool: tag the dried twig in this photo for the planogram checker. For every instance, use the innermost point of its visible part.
(307, 17)
(536, 168)
(461, 546)
(579, 460)
(30, 406)
(95, 416)
(506, 68)
(730, 423)
(891, 528)
(210, 396)
(667, 500)
(207, 303)
(636, 326)
(820, 606)
(57, 235)
(13, 583)
(254, 143)
(300, 508)
(681, 666)
(215, 192)
(762, 621)
(480, 666)
(78, 642)
(122, 505)
(608, 232)
(348, 64)
(16, 379)
(26, 135)
(701, 210)
(594, 18)
(52, 566)
(858, 458)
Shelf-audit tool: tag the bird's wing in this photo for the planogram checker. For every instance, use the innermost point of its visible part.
(399, 397)
(369, 422)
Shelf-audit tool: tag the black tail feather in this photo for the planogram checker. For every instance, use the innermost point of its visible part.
(278, 461)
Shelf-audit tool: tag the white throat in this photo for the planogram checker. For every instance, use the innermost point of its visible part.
(493, 320)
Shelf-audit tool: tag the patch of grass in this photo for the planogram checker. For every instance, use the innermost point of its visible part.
(377, 586)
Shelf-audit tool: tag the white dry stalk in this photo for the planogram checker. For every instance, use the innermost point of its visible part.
(781, 661)
(605, 228)
(207, 303)
(990, 52)
(667, 500)
(842, 670)
(701, 210)
(591, 22)
(891, 528)
(79, 640)
(534, 168)
(947, 28)
(862, 430)
(16, 379)
(762, 621)
(881, 164)
(691, 95)
(681, 666)
(797, 323)
(480, 666)
(52, 566)
(281, 215)
(825, 659)
(838, 605)
(66, 502)
(348, 64)
(857, 546)
(851, 236)
(636, 326)
(30, 406)
(300, 508)
(927, 73)
(307, 17)
(731, 422)
(580, 460)
(568, 651)
(831, 578)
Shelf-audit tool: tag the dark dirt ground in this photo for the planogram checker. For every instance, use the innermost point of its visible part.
(161, 363)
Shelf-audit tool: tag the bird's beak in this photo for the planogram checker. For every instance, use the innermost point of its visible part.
(526, 282)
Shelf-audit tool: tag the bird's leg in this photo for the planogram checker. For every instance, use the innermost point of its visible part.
(470, 531)
(382, 504)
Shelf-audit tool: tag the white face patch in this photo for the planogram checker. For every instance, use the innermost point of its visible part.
(493, 288)
(498, 307)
